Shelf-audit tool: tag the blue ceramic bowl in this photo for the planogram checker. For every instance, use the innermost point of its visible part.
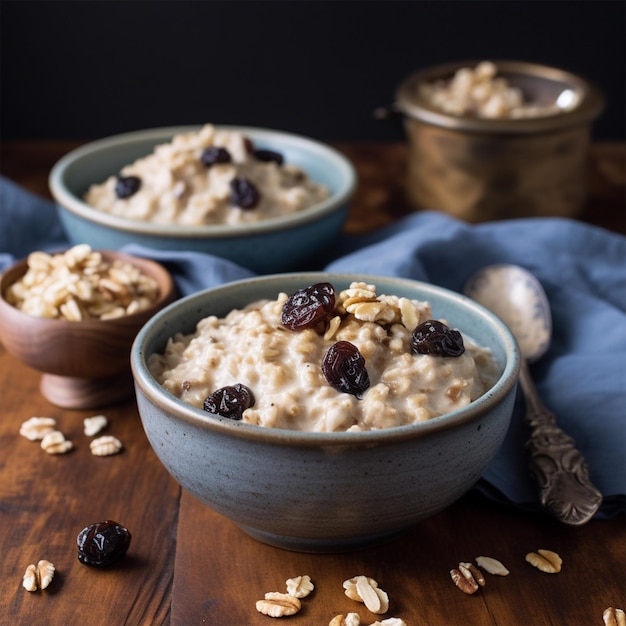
(273, 245)
(323, 492)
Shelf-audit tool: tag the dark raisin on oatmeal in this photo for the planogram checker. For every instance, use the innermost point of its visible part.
(244, 193)
(127, 186)
(230, 401)
(215, 154)
(269, 156)
(435, 338)
(309, 306)
(343, 367)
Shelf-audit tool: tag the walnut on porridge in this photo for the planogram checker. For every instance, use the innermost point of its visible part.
(315, 361)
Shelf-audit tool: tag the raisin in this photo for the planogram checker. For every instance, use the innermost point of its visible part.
(269, 156)
(229, 401)
(244, 194)
(343, 367)
(103, 543)
(433, 337)
(211, 156)
(307, 307)
(248, 145)
(126, 186)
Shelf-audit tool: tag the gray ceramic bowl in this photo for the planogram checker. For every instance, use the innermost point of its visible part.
(324, 492)
(273, 245)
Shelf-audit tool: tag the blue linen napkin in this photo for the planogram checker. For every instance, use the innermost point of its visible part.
(582, 378)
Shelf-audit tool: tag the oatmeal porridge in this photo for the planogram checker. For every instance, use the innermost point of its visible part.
(207, 177)
(318, 360)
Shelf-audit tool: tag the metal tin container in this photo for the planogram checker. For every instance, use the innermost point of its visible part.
(486, 169)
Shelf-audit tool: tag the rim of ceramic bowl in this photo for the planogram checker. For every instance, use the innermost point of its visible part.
(74, 204)
(590, 107)
(150, 267)
(169, 403)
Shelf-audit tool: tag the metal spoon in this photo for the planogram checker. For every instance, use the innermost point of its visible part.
(517, 297)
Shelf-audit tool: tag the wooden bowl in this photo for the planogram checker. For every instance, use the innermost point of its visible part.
(87, 363)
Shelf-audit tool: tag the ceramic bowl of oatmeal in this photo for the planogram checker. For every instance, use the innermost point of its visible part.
(322, 412)
(498, 139)
(268, 200)
(73, 315)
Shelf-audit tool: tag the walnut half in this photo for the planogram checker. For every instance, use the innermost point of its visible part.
(106, 445)
(349, 619)
(491, 565)
(614, 617)
(36, 428)
(467, 577)
(471, 571)
(545, 560)
(93, 425)
(38, 576)
(390, 621)
(366, 590)
(300, 586)
(56, 443)
(278, 604)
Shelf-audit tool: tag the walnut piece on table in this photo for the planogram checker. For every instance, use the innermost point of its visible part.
(38, 576)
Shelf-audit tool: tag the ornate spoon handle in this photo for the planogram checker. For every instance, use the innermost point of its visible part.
(562, 473)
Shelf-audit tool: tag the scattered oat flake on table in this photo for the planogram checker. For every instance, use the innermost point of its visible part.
(107, 445)
(366, 590)
(36, 428)
(300, 586)
(614, 617)
(94, 425)
(349, 619)
(38, 576)
(351, 590)
(491, 565)
(545, 560)
(56, 443)
(277, 604)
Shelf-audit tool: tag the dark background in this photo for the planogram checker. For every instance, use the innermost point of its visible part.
(89, 69)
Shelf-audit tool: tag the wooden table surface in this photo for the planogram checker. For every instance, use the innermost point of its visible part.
(187, 565)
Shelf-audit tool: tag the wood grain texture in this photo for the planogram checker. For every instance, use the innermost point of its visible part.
(187, 565)
(46, 500)
(221, 572)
